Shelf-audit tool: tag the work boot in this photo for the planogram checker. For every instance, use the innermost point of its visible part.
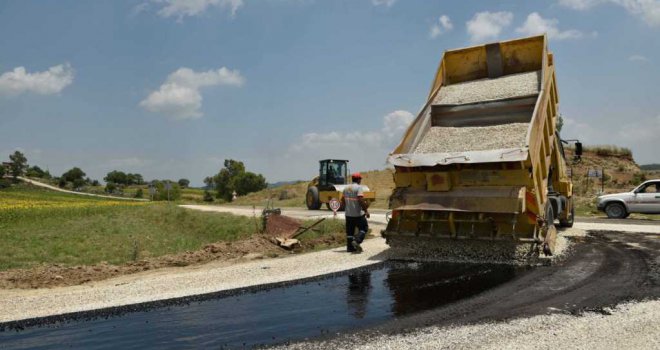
(356, 246)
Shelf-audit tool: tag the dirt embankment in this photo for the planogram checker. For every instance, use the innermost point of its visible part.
(259, 246)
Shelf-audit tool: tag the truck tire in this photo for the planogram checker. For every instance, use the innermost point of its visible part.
(549, 214)
(568, 222)
(615, 211)
(312, 198)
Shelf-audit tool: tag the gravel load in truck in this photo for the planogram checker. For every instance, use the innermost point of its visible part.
(440, 139)
(510, 86)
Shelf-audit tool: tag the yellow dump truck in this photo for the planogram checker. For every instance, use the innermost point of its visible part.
(481, 171)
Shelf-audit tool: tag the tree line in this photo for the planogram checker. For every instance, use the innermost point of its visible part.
(232, 179)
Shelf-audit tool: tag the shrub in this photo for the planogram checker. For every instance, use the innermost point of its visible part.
(208, 197)
(638, 178)
(162, 194)
(139, 193)
(110, 187)
(610, 151)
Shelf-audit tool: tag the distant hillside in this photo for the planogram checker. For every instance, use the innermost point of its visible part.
(654, 166)
(283, 183)
(293, 194)
(618, 165)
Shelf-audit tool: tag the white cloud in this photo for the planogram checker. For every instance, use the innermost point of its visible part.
(580, 4)
(442, 25)
(488, 25)
(638, 58)
(180, 98)
(396, 123)
(51, 81)
(386, 3)
(191, 8)
(535, 24)
(367, 149)
(647, 10)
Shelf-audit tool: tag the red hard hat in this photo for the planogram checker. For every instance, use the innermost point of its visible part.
(356, 176)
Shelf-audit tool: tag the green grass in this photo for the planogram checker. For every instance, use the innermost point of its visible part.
(39, 226)
(75, 230)
(112, 234)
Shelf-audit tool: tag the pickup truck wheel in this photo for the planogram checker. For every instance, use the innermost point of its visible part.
(615, 211)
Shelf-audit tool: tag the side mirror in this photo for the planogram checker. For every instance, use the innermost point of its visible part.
(578, 148)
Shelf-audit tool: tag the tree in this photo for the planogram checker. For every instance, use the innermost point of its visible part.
(35, 171)
(208, 197)
(117, 177)
(75, 175)
(110, 187)
(139, 193)
(209, 183)
(249, 182)
(18, 164)
(3, 182)
(233, 177)
(122, 178)
(134, 179)
(184, 183)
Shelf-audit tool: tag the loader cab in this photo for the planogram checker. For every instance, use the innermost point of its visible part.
(332, 172)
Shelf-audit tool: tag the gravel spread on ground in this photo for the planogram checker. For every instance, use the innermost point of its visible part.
(509, 86)
(440, 139)
(629, 326)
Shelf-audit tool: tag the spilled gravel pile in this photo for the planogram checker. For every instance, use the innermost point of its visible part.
(441, 139)
(509, 86)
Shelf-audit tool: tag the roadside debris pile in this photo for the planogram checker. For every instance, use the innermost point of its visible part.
(283, 230)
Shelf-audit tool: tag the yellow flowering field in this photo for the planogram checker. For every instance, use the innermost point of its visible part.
(23, 201)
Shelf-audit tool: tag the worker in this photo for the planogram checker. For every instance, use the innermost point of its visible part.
(357, 213)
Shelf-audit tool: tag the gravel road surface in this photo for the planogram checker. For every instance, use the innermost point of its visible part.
(601, 273)
(604, 294)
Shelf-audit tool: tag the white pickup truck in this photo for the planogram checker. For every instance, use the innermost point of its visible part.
(645, 198)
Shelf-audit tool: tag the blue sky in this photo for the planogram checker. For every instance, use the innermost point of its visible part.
(170, 88)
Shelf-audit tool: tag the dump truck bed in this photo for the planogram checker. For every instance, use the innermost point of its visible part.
(477, 163)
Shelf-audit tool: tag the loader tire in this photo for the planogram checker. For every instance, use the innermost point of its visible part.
(312, 198)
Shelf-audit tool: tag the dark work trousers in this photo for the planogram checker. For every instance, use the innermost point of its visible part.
(355, 222)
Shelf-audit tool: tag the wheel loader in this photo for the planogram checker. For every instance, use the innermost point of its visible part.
(480, 174)
(333, 178)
